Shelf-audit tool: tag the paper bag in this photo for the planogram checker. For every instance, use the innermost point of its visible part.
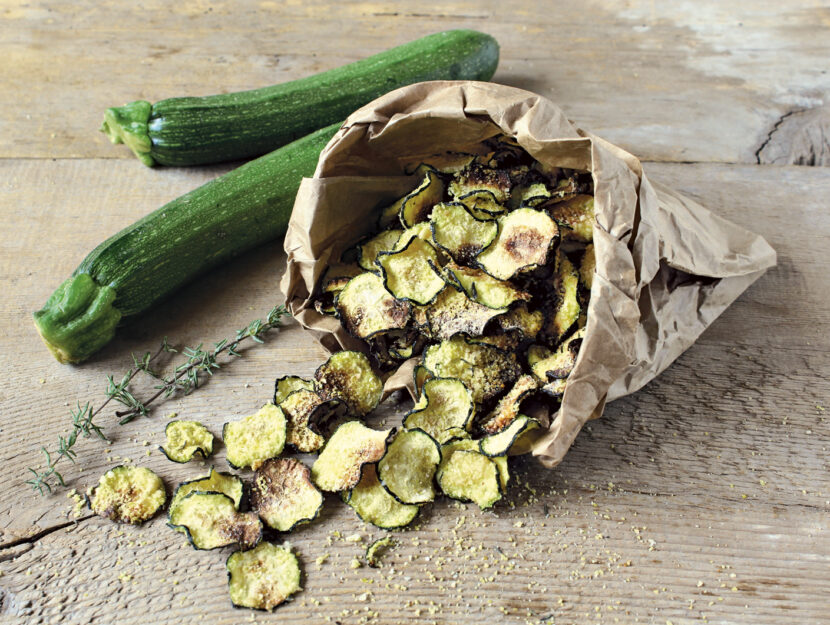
(665, 266)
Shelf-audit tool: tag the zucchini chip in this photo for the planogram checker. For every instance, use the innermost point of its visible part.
(214, 482)
(411, 274)
(524, 241)
(470, 476)
(577, 216)
(350, 447)
(563, 307)
(507, 409)
(376, 549)
(348, 376)
(264, 577)
(453, 312)
(408, 467)
(127, 494)
(446, 163)
(421, 231)
(530, 195)
(384, 241)
(587, 268)
(484, 288)
(287, 384)
(301, 408)
(460, 234)
(444, 410)
(252, 440)
(519, 318)
(185, 439)
(365, 307)
(373, 504)
(483, 369)
(283, 495)
(481, 204)
(548, 366)
(391, 215)
(211, 520)
(468, 444)
(417, 206)
(505, 341)
(501, 443)
(480, 178)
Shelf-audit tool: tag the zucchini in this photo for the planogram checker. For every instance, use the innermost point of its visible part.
(211, 129)
(128, 494)
(185, 439)
(147, 261)
(264, 577)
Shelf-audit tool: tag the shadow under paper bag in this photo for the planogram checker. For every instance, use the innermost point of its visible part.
(665, 266)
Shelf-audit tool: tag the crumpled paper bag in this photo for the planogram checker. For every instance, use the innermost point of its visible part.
(665, 266)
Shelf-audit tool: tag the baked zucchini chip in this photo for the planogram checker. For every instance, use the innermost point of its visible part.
(211, 520)
(480, 178)
(563, 307)
(127, 494)
(502, 442)
(287, 384)
(283, 496)
(483, 369)
(444, 410)
(373, 503)
(302, 408)
(377, 549)
(519, 318)
(508, 407)
(352, 446)
(384, 241)
(460, 234)
(365, 307)
(468, 444)
(577, 216)
(420, 375)
(587, 267)
(408, 467)
(348, 376)
(481, 204)
(417, 206)
(411, 274)
(214, 482)
(446, 163)
(470, 476)
(484, 288)
(264, 577)
(252, 440)
(453, 312)
(421, 231)
(185, 439)
(529, 195)
(524, 242)
(548, 366)
(505, 341)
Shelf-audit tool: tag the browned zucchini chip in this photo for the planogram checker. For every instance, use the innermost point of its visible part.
(484, 288)
(350, 447)
(373, 504)
(505, 341)
(508, 407)
(468, 444)
(214, 482)
(348, 376)
(283, 495)
(252, 440)
(411, 273)
(562, 307)
(444, 410)
(336, 277)
(470, 476)
(483, 369)
(453, 312)
(481, 204)
(377, 549)
(185, 439)
(127, 494)
(524, 242)
(510, 438)
(299, 409)
(446, 163)
(365, 307)
(460, 234)
(577, 216)
(529, 324)
(264, 577)
(408, 467)
(211, 520)
(548, 366)
(480, 178)
(587, 267)
(382, 242)
(417, 206)
(287, 384)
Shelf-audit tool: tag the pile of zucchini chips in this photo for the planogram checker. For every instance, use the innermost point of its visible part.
(482, 272)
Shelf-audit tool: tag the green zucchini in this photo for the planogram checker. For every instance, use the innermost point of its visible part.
(211, 129)
(147, 261)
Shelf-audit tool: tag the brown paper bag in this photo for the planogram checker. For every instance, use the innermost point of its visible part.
(665, 266)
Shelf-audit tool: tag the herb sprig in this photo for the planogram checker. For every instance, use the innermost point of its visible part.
(185, 378)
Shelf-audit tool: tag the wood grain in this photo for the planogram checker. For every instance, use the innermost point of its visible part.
(802, 138)
(703, 495)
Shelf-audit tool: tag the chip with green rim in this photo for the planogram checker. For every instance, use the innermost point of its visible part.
(408, 467)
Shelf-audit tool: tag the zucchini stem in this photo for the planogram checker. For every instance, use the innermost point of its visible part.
(78, 319)
(128, 125)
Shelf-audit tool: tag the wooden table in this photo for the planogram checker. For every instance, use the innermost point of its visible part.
(701, 498)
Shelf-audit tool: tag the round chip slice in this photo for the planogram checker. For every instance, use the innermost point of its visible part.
(127, 494)
(264, 577)
(470, 476)
(211, 520)
(252, 440)
(484, 288)
(348, 376)
(373, 503)
(287, 384)
(283, 495)
(444, 409)
(411, 273)
(185, 439)
(524, 241)
(350, 447)
(459, 233)
(214, 482)
(382, 242)
(366, 308)
(408, 467)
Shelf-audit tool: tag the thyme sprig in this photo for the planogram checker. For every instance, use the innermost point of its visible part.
(185, 378)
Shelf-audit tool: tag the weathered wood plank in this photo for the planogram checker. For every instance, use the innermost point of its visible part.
(671, 81)
(722, 461)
